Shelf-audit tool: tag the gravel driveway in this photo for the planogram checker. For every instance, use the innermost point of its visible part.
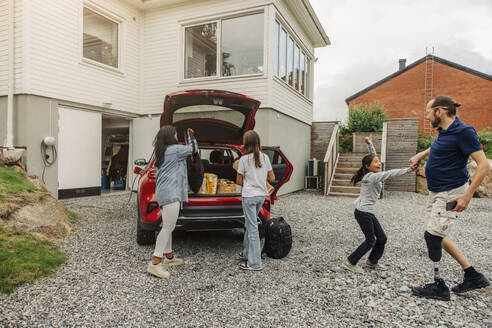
(104, 282)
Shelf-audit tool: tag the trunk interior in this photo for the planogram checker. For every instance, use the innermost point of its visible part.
(219, 160)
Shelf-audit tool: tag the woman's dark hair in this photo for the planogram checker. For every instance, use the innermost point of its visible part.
(252, 145)
(366, 161)
(164, 138)
(448, 102)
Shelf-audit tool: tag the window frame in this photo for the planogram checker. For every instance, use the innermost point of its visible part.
(119, 21)
(218, 20)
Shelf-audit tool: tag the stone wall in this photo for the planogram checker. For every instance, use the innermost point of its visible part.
(401, 145)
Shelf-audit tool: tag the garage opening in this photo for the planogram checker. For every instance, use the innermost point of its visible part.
(115, 153)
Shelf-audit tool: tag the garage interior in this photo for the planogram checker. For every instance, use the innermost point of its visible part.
(115, 153)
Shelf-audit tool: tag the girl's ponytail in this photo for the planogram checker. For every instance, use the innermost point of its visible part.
(359, 175)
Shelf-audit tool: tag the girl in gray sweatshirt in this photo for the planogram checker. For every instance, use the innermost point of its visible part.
(371, 178)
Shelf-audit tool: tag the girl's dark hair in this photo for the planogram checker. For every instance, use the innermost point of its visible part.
(366, 161)
(448, 102)
(252, 145)
(164, 138)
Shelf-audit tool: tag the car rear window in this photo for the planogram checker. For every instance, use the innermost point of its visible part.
(214, 112)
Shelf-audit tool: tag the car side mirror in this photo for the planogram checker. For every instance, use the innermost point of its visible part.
(140, 162)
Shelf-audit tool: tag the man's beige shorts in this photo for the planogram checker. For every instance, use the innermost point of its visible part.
(439, 220)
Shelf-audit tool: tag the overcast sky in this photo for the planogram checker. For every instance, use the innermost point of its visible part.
(369, 36)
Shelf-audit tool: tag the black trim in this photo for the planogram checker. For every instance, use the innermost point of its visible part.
(79, 192)
(418, 62)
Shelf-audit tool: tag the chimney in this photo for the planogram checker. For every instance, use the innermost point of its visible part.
(402, 63)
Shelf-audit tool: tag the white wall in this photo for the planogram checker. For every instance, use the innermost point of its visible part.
(143, 133)
(56, 68)
(79, 148)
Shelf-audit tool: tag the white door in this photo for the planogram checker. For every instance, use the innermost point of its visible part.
(79, 149)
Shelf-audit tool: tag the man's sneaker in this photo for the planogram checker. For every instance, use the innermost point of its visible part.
(437, 290)
(244, 266)
(241, 256)
(353, 268)
(172, 262)
(158, 270)
(378, 267)
(470, 284)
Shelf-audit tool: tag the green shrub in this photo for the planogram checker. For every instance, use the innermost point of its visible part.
(485, 138)
(424, 141)
(362, 118)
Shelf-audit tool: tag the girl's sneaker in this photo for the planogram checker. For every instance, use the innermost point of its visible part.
(158, 270)
(172, 262)
(352, 268)
(378, 267)
(244, 266)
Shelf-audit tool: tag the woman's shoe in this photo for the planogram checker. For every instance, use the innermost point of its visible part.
(172, 262)
(352, 268)
(241, 256)
(244, 266)
(158, 270)
(378, 267)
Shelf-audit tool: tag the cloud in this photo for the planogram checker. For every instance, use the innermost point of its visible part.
(368, 38)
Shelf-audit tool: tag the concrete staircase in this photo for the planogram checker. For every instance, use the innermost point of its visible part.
(348, 164)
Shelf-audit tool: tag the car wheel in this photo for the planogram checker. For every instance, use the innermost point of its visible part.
(144, 237)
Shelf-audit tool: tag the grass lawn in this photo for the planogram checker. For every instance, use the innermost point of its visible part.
(13, 182)
(24, 258)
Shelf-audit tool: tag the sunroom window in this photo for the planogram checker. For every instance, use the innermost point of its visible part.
(100, 41)
(227, 47)
(291, 64)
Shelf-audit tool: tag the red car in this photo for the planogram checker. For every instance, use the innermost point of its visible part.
(219, 119)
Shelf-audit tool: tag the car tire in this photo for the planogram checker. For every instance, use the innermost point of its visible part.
(144, 237)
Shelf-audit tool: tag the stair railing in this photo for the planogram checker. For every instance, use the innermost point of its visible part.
(331, 159)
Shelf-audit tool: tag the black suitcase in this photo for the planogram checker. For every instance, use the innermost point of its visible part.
(278, 238)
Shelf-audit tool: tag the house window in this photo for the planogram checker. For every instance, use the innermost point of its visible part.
(303, 73)
(242, 45)
(296, 67)
(100, 41)
(282, 59)
(201, 50)
(290, 61)
(227, 47)
(275, 47)
(291, 64)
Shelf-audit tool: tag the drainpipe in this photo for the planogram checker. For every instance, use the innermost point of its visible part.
(10, 95)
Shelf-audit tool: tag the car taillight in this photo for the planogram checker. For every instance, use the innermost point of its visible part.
(152, 174)
(266, 205)
(151, 207)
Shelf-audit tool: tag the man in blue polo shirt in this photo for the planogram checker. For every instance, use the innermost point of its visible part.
(447, 180)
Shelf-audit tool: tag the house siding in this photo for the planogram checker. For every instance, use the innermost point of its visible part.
(18, 47)
(403, 96)
(55, 54)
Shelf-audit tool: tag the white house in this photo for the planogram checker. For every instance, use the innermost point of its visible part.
(94, 73)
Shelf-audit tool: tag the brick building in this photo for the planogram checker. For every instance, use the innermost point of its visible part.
(405, 92)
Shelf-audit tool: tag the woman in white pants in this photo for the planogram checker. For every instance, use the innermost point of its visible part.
(171, 189)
